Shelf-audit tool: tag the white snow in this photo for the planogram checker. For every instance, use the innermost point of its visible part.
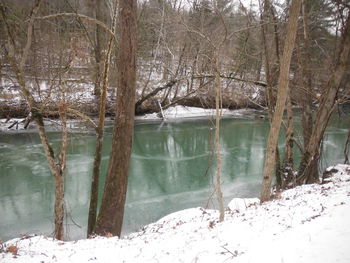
(307, 224)
(241, 204)
(182, 112)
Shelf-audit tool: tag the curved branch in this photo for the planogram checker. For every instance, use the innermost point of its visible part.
(87, 18)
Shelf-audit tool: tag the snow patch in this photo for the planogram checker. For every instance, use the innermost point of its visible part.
(241, 204)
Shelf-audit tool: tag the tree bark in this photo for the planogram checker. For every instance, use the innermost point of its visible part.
(308, 167)
(288, 171)
(111, 214)
(282, 94)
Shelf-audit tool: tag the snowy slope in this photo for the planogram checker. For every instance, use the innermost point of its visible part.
(306, 224)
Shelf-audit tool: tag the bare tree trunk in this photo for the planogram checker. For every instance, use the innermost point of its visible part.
(111, 214)
(57, 173)
(97, 5)
(218, 106)
(288, 171)
(346, 149)
(59, 176)
(270, 100)
(306, 98)
(271, 72)
(307, 171)
(99, 140)
(270, 157)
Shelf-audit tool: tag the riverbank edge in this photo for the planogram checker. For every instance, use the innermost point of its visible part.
(172, 114)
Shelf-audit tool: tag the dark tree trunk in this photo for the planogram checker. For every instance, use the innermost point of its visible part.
(111, 214)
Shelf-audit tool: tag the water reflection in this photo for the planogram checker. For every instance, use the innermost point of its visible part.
(171, 169)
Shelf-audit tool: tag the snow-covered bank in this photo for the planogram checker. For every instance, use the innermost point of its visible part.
(170, 114)
(306, 224)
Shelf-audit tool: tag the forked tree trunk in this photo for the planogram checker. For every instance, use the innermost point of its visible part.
(282, 93)
(308, 167)
(111, 214)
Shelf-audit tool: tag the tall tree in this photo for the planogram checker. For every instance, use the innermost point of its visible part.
(111, 214)
(282, 93)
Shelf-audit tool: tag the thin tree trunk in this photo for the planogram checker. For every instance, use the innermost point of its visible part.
(99, 140)
(59, 177)
(97, 49)
(346, 149)
(308, 167)
(306, 98)
(270, 158)
(218, 106)
(111, 214)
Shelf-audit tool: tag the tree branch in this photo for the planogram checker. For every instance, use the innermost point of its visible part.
(87, 18)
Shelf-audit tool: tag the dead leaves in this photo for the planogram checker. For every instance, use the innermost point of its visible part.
(10, 249)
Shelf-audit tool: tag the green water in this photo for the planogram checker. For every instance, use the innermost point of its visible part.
(171, 170)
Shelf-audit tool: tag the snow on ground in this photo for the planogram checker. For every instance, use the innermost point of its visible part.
(307, 224)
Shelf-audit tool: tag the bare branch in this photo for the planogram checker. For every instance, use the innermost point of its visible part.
(87, 18)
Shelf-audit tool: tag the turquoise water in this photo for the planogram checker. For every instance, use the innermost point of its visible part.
(171, 169)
